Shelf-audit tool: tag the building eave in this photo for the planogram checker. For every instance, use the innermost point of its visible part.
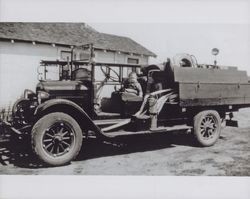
(70, 46)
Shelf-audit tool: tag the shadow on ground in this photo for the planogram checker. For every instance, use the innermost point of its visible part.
(20, 154)
(95, 149)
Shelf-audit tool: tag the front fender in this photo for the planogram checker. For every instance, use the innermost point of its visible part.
(64, 105)
(53, 102)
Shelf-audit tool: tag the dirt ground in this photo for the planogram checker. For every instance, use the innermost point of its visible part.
(169, 154)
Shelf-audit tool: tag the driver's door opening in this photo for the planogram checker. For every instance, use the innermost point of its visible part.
(110, 94)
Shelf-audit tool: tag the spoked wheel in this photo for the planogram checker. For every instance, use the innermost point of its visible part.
(56, 138)
(207, 127)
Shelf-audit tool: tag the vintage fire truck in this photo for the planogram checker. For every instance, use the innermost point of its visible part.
(178, 95)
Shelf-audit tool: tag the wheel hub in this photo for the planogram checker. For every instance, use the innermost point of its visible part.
(208, 127)
(58, 139)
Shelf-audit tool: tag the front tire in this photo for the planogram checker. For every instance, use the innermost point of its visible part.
(56, 138)
(207, 127)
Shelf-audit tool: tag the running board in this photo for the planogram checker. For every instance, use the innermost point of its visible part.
(151, 131)
(117, 125)
(107, 122)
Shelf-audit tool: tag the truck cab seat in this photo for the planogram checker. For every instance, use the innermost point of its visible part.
(83, 75)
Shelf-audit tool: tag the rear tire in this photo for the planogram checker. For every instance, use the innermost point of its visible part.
(56, 138)
(207, 127)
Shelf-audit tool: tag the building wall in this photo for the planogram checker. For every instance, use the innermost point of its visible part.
(19, 62)
(18, 67)
(115, 57)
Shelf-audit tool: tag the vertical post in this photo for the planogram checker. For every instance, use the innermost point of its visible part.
(91, 61)
(120, 73)
(69, 69)
(71, 59)
(9, 113)
(45, 71)
(93, 90)
(215, 61)
(72, 56)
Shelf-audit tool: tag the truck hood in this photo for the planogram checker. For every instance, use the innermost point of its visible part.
(61, 85)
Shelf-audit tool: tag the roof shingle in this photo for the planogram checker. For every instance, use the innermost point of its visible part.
(69, 34)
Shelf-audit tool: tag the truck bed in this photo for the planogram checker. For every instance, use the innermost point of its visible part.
(212, 86)
(210, 94)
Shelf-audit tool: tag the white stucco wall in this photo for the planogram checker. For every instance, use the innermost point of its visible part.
(19, 62)
(18, 67)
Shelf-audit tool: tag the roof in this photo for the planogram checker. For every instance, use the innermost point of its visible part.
(69, 34)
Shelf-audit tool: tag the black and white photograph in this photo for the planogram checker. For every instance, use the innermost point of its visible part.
(131, 98)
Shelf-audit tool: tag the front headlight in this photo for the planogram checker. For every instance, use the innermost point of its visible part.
(28, 94)
(41, 95)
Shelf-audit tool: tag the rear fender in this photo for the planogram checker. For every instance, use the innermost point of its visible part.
(71, 108)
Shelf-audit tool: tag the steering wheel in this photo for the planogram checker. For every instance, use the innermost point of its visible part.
(107, 74)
